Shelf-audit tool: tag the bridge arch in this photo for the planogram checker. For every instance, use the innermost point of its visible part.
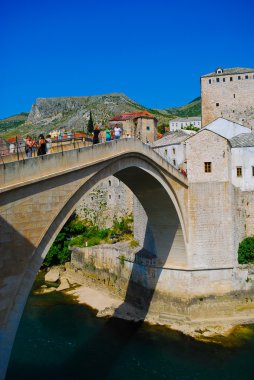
(141, 177)
(164, 230)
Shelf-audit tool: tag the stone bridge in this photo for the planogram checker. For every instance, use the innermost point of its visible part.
(37, 196)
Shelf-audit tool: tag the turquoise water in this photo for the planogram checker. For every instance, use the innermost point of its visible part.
(59, 339)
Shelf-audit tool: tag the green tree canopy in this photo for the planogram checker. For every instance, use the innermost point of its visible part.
(246, 251)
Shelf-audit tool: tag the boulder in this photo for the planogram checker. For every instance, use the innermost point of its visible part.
(64, 285)
(52, 275)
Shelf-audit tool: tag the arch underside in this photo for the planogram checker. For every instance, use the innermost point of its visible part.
(156, 223)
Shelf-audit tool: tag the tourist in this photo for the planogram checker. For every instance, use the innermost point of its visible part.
(117, 132)
(48, 144)
(108, 135)
(112, 135)
(42, 149)
(29, 146)
(96, 133)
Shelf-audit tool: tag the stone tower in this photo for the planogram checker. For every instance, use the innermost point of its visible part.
(228, 93)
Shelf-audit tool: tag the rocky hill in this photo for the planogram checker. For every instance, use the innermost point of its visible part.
(73, 113)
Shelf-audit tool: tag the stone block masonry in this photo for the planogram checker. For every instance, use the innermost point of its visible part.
(228, 95)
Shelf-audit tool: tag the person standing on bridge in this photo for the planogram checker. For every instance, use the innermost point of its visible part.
(96, 133)
(117, 131)
(48, 144)
(42, 149)
(29, 146)
(107, 131)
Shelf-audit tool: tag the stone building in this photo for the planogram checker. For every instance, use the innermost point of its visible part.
(141, 125)
(208, 153)
(172, 148)
(183, 122)
(228, 93)
(220, 165)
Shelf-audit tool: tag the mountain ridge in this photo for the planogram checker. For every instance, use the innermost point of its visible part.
(73, 112)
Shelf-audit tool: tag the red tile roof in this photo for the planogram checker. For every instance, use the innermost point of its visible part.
(133, 115)
(13, 139)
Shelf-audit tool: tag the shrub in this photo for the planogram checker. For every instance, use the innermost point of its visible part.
(121, 259)
(246, 251)
(78, 241)
(134, 243)
(94, 241)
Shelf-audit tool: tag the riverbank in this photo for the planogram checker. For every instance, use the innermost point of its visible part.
(108, 304)
(123, 282)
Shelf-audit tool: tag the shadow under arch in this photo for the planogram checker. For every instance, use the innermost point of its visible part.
(160, 235)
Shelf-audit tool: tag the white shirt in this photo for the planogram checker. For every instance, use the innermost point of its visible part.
(117, 131)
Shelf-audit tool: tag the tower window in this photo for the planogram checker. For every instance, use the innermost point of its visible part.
(109, 196)
(174, 162)
(210, 81)
(239, 77)
(217, 104)
(224, 79)
(231, 79)
(239, 171)
(217, 80)
(246, 76)
(208, 167)
(109, 183)
(234, 95)
(174, 151)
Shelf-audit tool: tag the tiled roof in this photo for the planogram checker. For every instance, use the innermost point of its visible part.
(14, 139)
(133, 115)
(171, 138)
(242, 140)
(234, 70)
(184, 119)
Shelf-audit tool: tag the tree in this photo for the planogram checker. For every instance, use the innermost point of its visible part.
(162, 128)
(90, 124)
(246, 251)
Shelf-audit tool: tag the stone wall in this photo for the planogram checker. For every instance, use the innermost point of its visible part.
(107, 201)
(232, 99)
(207, 146)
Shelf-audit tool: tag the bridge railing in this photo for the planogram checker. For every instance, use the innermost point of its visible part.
(9, 153)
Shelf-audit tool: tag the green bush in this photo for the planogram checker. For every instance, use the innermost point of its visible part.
(94, 241)
(134, 243)
(122, 259)
(78, 241)
(77, 232)
(246, 251)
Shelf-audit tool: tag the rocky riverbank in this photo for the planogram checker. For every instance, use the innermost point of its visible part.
(102, 278)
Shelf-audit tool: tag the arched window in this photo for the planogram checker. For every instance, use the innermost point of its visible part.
(219, 70)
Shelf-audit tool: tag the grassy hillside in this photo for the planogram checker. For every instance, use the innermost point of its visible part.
(191, 109)
(13, 124)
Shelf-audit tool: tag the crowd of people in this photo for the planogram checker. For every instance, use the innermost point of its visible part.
(109, 133)
(42, 146)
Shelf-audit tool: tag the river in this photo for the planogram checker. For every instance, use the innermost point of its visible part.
(61, 339)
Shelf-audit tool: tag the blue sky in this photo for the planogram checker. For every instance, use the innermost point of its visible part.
(153, 51)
